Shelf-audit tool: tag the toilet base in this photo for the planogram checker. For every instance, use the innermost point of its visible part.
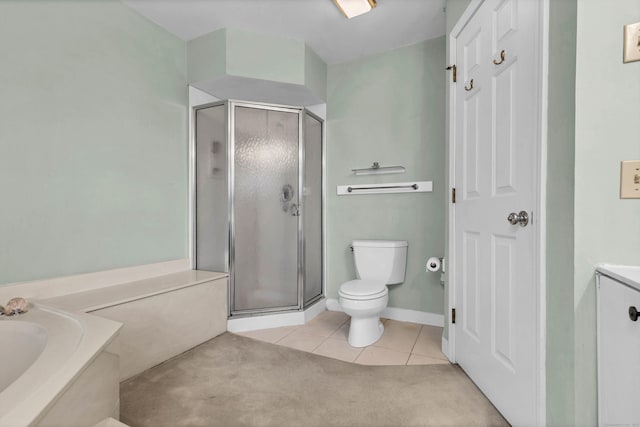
(365, 331)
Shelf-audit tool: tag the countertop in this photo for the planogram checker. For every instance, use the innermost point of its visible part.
(627, 274)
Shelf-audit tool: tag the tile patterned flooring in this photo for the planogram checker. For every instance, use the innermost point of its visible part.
(402, 343)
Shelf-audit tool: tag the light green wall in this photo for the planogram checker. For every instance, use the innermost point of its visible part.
(560, 206)
(207, 56)
(245, 54)
(315, 73)
(606, 227)
(93, 153)
(388, 108)
(453, 11)
(265, 57)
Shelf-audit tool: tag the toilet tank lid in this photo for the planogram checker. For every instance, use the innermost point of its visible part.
(380, 243)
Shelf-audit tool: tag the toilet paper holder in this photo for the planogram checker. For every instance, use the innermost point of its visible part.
(435, 263)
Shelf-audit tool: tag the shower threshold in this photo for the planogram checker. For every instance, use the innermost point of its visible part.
(255, 322)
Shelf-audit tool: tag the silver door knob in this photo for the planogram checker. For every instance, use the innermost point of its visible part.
(521, 218)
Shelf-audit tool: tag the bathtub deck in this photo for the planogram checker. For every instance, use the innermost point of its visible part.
(97, 299)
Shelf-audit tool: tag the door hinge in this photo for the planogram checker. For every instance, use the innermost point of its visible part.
(453, 315)
(453, 195)
(455, 72)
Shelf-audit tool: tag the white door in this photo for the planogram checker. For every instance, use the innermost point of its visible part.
(495, 173)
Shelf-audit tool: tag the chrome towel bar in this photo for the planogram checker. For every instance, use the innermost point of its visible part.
(414, 186)
(385, 188)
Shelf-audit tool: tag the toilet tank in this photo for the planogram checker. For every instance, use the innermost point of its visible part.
(384, 260)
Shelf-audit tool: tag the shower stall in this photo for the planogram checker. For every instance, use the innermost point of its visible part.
(257, 199)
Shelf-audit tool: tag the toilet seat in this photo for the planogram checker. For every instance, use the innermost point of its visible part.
(363, 289)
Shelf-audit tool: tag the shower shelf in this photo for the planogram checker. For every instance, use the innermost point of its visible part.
(391, 187)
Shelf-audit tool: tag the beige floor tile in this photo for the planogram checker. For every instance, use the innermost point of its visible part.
(399, 336)
(338, 349)
(325, 324)
(300, 340)
(342, 333)
(429, 342)
(382, 356)
(269, 335)
(331, 317)
(418, 359)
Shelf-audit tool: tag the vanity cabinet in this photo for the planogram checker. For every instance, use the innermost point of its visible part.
(618, 347)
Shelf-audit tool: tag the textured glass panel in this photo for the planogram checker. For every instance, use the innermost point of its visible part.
(212, 228)
(312, 208)
(266, 190)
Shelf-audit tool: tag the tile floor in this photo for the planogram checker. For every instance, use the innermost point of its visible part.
(402, 343)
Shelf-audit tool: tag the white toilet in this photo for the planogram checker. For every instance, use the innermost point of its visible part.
(378, 263)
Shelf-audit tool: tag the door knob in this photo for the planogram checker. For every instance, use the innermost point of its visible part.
(521, 218)
(633, 313)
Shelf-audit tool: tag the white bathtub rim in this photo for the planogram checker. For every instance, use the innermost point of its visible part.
(25, 342)
(28, 403)
(60, 286)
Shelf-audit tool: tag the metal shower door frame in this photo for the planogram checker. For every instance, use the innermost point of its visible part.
(232, 218)
(303, 141)
(230, 242)
(192, 182)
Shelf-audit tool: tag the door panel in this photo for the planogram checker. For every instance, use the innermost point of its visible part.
(502, 321)
(470, 282)
(504, 17)
(470, 143)
(503, 138)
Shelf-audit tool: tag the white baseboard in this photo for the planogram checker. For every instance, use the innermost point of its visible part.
(333, 305)
(445, 347)
(267, 321)
(400, 314)
(50, 288)
(317, 308)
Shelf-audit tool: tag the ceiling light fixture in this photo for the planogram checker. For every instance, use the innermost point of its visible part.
(353, 8)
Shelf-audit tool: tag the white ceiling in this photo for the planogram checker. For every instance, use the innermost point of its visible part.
(394, 23)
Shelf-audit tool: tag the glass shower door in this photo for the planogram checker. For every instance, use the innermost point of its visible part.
(265, 209)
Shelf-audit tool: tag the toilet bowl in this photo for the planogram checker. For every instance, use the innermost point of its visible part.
(364, 301)
(378, 264)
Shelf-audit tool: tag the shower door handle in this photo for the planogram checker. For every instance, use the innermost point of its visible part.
(295, 210)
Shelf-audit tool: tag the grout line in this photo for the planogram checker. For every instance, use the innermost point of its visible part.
(286, 335)
(319, 344)
(414, 343)
(349, 361)
(417, 337)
